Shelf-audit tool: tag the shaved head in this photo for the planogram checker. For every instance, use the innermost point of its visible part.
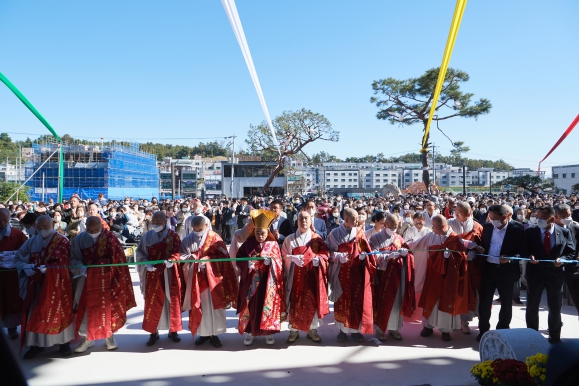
(159, 219)
(439, 225)
(43, 222)
(93, 224)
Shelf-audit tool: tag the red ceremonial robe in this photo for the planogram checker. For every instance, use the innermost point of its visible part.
(167, 249)
(310, 285)
(354, 306)
(53, 310)
(219, 277)
(474, 266)
(10, 300)
(387, 285)
(261, 301)
(446, 279)
(107, 293)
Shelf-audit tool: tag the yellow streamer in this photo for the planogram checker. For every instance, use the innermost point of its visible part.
(454, 27)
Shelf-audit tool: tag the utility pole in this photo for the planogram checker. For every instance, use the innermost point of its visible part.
(172, 180)
(433, 165)
(490, 182)
(464, 179)
(232, 165)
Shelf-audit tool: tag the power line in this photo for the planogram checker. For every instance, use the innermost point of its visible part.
(117, 138)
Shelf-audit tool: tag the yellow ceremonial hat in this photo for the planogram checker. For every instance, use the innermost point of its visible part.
(262, 218)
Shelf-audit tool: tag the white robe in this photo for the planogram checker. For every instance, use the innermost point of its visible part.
(294, 240)
(188, 227)
(337, 236)
(213, 322)
(33, 245)
(142, 254)
(420, 257)
(396, 320)
(239, 237)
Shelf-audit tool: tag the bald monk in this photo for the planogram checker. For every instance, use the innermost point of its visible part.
(103, 295)
(161, 282)
(11, 240)
(46, 287)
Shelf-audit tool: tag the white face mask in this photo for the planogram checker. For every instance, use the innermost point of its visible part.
(95, 235)
(407, 220)
(566, 221)
(198, 210)
(497, 223)
(406, 207)
(158, 228)
(543, 224)
(533, 221)
(312, 212)
(199, 234)
(336, 214)
(520, 217)
(46, 233)
(389, 231)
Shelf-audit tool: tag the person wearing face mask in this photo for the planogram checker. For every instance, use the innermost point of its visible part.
(466, 228)
(147, 222)
(429, 213)
(500, 237)
(59, 225)
(548, 241)
(46, 287)
(305, 279)
(11, 240)
(261, 303)
(197, 210)
(564, 220)
(161, 282)
(183, 214)
(77, 224)
(445, 292)
(393, 292)
(334, 221)
(319, 225)
(210, 286)
(351, 272)
(102, 296)
(379, 220)
(406, 223)
(28, 223)
(420, 257)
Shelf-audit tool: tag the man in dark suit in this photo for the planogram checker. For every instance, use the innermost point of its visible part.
(280, 227)
(575, 214)
(318, 224)
(548, 241)
(500, 238)
(242, 213)
(564, 220)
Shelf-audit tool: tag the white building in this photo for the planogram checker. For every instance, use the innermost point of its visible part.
(565, 176)
(9, 173)
(520, 172)
(249, 178)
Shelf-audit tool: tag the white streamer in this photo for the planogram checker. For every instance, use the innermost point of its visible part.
(233, 16)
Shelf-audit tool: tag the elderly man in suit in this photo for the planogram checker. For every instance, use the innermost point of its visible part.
(547, 241)
(281, 227)
(318, 224)
(500, 237)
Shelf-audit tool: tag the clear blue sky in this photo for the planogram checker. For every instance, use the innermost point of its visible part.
(153, 70)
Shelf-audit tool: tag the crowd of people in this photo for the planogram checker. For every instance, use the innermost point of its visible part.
(284, 259)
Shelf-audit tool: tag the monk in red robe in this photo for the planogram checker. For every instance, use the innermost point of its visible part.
(210, 285)
(11, 239)
(350, 277)
(306, 279)
(103, 295)
(261, 301)
(466, 228)
(161, 280)
(46, 287)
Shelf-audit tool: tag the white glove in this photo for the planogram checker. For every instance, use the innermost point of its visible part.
(362, 256)
(42, 269)
(298, 260)
(83, 271)
(150, 268)
(403, 252)
(251, 264)
(29, 269)
(267, 261)
(168, 263)
(394, 255)
(447, 254)
(471, 255)
(343, 258)
(316, 261)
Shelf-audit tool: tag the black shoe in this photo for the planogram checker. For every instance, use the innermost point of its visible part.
(446, 336)
(174, 337)
(153, 338)
(518, 301)
(554, 341)
(498, 300)
(201, 340)
(426, 332)
(13, 333)
(65, 350)
(215, 341)
(34, 351)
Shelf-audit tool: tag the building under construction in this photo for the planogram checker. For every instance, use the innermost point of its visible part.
(114, 170)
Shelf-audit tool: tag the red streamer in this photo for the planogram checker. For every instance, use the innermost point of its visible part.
(565, 134)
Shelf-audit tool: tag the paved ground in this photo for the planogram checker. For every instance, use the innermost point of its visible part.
(412, 361)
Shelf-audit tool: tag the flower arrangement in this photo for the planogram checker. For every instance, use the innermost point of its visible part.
(537, 367)
(502, 372)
